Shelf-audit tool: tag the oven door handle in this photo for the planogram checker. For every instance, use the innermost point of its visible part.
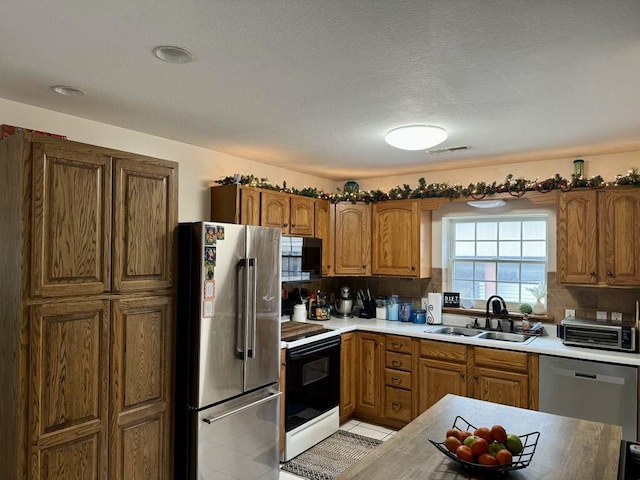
(321, 345)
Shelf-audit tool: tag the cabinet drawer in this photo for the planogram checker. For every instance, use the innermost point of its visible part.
(398, 404)
(398, 361)
(396, 343)
(397, 378)
(501, 359)
(443, 350)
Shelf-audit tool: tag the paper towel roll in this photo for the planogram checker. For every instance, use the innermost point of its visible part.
(434, 309)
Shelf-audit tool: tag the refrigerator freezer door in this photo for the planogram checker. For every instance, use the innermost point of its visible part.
(240, 439)
(264, 258)
(220, 359)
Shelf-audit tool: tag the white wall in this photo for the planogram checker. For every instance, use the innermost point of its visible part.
(199, 167)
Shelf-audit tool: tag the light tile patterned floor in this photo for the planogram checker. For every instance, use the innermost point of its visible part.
(354, 426)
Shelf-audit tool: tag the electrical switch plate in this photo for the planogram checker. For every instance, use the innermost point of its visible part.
(601, 315)
(616, 316)
(424, 303)
(569, 313)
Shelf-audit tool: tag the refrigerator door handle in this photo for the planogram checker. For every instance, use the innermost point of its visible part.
(253, 264)
(242, 314)
(273, 396)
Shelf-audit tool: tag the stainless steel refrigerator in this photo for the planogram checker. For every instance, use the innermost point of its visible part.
(227, 352)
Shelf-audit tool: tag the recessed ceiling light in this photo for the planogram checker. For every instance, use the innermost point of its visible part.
(172, 54)
(487, 203)
(416, 137)
(67, 91)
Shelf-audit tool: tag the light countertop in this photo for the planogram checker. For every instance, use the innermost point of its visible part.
(547, 344)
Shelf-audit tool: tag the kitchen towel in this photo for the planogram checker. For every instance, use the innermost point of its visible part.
(434, 309)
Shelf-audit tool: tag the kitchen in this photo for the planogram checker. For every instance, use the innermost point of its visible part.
(200, 167)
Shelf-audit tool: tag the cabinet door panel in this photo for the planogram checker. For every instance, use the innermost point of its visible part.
(436, 379)
(69, 393)
(71, 248)
(347, 376)
(302, 216)
(395, 236)
(576, 237)
(353, 239)
(369, 350)
(145, 199)
(140, 387)
(324, 220)
(621, 249)
(502, 387)
(274, 210)
(249, 207)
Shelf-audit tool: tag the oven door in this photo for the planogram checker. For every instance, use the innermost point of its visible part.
(313, 381)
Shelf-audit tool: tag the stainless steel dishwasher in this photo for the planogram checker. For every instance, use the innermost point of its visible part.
(600, 392)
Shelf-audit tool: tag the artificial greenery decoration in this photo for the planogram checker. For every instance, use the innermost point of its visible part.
(516, 187)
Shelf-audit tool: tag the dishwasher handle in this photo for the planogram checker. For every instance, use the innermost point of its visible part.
(581, 375)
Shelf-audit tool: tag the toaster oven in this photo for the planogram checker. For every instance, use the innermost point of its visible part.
(585, 333)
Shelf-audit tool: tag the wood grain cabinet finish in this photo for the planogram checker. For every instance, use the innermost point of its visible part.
(89, 319)
(594, 244)
(302, 216)
(369, 380)
(347, 376)
(352, 239)
(324, 222)
(275, 210)
(235, 204)
(401, 239)
(398, 380)
(69, 390)
(71, 211)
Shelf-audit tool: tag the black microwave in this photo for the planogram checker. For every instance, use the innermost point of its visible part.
(301, 259)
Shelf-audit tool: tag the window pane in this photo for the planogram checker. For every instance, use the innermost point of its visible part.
(484, 290)
(533, 273)
(463, 270)
(534, 230)
(465, 287)
(534, 249)
(509, 272)
(527, 296)
(510, 249)
(465, 231)
(487, 231)
(487, 249)
(465, 249)
(485, 271)
(510, 230)
(509, 291)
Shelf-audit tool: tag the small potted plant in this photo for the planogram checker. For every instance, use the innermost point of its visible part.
(539, 291)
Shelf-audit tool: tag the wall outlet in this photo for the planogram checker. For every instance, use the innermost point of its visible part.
(569, 313)
(601, 315)
(616, 316)
(424, 303)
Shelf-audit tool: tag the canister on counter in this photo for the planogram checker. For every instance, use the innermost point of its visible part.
(419, 316)
(406, 309)
(393, 308)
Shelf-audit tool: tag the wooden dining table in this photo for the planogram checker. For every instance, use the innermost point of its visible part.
(567, 448)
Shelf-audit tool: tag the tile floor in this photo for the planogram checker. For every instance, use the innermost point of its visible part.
(354, 426)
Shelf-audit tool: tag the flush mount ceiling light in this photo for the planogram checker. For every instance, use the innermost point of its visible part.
(416, 137)
(487, 203)
(171, 54)
(67, 91)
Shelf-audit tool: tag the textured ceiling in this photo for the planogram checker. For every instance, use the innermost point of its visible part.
(314, 85)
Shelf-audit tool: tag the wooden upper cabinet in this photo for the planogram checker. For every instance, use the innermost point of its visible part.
(620, 243)
(399, 227)
(71, 214)
(235, 204)
(275, 208)
(352, 239)
(324, 221)
(68, 375)
(145, 217)
(593, 237)
(302, 216)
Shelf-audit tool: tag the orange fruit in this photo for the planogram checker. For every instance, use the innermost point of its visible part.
(452, 432)
(463, 435)
(484, 432)
(464, 453)
(479, 446)
(504, 457)
(452, 443)
(486, 459)
(499, 433)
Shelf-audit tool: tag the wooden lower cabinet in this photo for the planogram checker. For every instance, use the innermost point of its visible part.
(347, 377)
(369, 380)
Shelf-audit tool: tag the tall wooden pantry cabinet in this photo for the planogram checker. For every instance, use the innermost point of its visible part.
(87, 308)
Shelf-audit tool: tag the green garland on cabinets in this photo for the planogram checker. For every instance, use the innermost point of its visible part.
(516, 187)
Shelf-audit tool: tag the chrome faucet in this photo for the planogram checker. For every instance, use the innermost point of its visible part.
(499, 308)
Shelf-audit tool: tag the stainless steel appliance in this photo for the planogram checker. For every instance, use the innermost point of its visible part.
(301, 259)
(312, 395)
(583, 333)
(344, 303)
(228, 347)
(595, 391)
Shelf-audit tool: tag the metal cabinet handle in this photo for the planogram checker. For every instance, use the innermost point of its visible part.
(293, 225)
(413, 268)
(396, 406)
(609, 274)
(364, 267)
(396, 363)
(395, 380)
(461, 375)
(396, 345)
(285, 224)
(593, 274)
(475, 378)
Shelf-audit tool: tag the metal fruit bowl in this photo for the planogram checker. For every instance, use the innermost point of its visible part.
(529, 443)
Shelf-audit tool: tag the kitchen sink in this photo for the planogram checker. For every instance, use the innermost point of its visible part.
(459, 331)
(505, 336)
